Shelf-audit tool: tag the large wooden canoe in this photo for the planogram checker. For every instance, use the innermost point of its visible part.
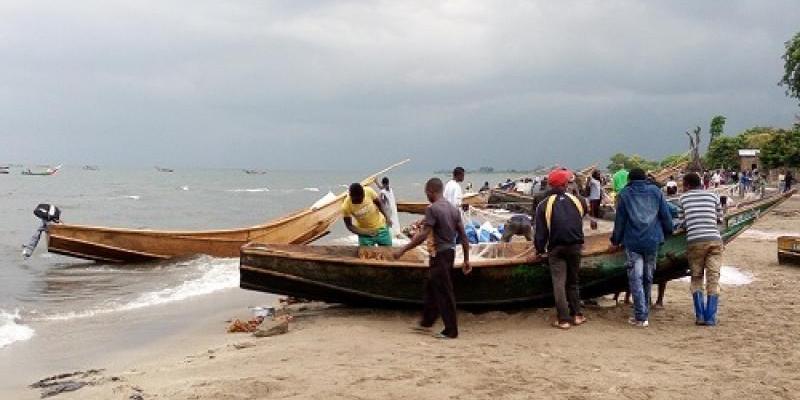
(477, 200)
(118, 245)
(511, 275)
(789, 250)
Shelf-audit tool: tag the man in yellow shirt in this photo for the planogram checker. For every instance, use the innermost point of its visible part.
(364, 205)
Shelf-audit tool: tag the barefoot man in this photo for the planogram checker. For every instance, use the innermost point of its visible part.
(441, 226)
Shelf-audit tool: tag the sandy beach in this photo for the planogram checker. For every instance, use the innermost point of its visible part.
(334, 352)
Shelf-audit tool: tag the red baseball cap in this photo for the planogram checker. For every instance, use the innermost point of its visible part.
(559, 177)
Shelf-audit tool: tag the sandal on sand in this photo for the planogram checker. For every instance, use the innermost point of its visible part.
(442, 336)
(420, 328)
(579, 320)
(561, 325)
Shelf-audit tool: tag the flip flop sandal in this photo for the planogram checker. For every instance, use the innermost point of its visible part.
(561, 325)
(442, 336)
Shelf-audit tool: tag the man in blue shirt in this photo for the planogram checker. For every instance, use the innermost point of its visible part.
(643, 218)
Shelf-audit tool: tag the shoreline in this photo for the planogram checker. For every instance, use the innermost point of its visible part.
(338, 352)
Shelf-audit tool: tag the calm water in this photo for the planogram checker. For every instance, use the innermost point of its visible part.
(49, 287)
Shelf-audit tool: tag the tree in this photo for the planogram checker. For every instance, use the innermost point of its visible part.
(757, 136)
(724, 152)
(717, 127)
(791, 67)
(617, 162)
(673, 159)
(620, 160)
(783, 150)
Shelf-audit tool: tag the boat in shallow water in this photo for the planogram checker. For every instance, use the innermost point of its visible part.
(118, 245)
(504, 275)
(47, 172)
(789, 250)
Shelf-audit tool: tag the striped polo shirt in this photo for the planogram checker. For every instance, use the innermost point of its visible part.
(700, 211)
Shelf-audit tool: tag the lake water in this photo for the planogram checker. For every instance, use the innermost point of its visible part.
(48, 288)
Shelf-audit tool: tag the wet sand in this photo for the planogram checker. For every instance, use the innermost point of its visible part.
(344, 353)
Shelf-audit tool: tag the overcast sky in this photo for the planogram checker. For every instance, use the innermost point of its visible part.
(357, 84)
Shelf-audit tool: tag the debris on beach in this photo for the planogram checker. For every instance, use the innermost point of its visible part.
(250, 326)
(267, 320)
(273, 327)
(63, 383)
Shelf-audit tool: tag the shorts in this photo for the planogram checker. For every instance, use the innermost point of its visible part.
(383, 238)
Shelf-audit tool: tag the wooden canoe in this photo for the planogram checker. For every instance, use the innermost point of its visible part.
(118, 245)
(477, 200)
(513, 276)
(789, 250)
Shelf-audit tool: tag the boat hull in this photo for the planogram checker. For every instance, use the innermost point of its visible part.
(789, 250)
(523, 283)
(340, 274)
(117, 245)
(477, 200)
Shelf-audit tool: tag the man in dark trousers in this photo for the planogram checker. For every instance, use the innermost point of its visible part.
(559, 233)
(643, 219)
(441, 226)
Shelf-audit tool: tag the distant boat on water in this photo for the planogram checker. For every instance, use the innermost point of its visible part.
(46, 172)
(254, 171)
(159, 169)
(3, 169)
(90, 168)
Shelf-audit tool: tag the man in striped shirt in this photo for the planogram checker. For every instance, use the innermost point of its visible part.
(701, 212)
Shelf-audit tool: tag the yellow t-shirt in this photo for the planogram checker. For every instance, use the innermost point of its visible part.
(366, 214)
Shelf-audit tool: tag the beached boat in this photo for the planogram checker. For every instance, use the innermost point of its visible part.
(117, 245)
(477, 200)
(507, 275)
(512, 201)
(789, 250)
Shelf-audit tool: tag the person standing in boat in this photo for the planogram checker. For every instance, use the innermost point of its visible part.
(441, 226)
(452, 191)
(389, 204)
(643, 219)
(701, 211)
(559, 233)
(595, 194)
(365, 206)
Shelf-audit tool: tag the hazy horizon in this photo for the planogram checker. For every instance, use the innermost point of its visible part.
(353, 85)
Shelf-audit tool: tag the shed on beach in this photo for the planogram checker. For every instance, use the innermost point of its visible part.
(748, 159)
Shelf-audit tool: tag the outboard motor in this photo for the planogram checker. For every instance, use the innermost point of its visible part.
(47, 214)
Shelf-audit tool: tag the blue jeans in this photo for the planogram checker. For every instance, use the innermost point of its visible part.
(640, 280)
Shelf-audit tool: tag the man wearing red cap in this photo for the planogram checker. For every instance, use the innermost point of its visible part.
(559, 233)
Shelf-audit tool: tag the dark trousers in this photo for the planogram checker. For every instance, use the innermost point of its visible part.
(595, 208)
(439, 297)
(564, 264)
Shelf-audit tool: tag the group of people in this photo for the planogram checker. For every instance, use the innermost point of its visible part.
(642, 222)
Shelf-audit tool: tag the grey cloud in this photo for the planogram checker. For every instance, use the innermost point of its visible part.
(300, 84)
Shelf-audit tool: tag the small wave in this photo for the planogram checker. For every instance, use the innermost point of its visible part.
(218, 274)
(256, 190)
(11, 331)
(126, 198)
(311, 189)
(756, 234)
(184, 188)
